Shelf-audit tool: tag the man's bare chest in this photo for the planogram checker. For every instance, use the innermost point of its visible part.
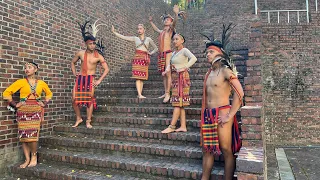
(90, 59)
(215, 80)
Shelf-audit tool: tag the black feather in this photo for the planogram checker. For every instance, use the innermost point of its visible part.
(100, 47)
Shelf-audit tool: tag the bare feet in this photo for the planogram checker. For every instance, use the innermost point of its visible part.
(169, 129)
(167, 98)
(77, 122)
(181, 129)
(141, 97)
(89, 126)
(162, 96)
(33, 161)
(25, 164)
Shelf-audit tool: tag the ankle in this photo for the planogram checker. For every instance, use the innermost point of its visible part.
(34, 154)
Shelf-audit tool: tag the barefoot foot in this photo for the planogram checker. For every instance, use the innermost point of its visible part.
(33, 161)
(162, 96)
(77, 123)
(181, 130)
(141, 97)
(166, 98)
(89, 126)
(169, 129)
(25, 164)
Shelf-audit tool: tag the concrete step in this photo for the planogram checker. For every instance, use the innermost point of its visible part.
(155, 167)
(131, 92)
(141, 102)
(58, 171)
(147, 84)
(130, 134)
(123, 120)
(177, 153)
(191, 112)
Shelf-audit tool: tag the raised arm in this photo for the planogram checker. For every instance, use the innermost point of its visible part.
(175, 20)
(153, 25)
(73, 63)
(105, 72)
(155, 49)
(128, 38)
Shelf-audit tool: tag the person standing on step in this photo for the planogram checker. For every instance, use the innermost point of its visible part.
(165, 51)
(30, 110)
(141, 60)
(83, 91)
(219, 127)
(181, 60)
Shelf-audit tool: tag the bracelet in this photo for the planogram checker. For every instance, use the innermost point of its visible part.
(46, 103)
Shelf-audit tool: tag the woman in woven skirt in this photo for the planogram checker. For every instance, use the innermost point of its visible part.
(181, 60)
(29, 110)
(141, 60)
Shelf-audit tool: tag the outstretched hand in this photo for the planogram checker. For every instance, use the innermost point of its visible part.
(176, 9)
(150, 18)
(112, 29)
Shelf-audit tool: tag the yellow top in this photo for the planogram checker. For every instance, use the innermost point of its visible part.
(25, 89)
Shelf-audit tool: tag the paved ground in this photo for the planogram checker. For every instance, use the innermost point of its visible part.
(305, 162)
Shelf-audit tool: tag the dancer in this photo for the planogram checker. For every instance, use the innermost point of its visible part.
(141, 60)
(182, 59)
(219, 127)
(165, 51)
(83, 91)
(30, 110)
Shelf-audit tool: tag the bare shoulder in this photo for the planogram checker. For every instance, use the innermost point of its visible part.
(101, 58)
(227, 73)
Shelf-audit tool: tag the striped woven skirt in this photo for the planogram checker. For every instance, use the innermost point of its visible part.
(180, 89)
(140, 65)
(83, 94)
(209, 131)
(29, 117)
(162, 60)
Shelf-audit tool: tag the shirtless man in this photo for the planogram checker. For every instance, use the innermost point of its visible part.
(219, 127)
(141, 60)
(83, 91)
(165, 48)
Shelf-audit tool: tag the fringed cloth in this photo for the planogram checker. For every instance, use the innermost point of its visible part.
(84, 91)
(29, 117)
(209, 131)
(162, 60)
(180, 88)
(209, 125)
(140, 65)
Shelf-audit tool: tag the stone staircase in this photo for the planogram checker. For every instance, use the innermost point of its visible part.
(126, 141)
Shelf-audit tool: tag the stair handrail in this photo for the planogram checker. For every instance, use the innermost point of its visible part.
(288, 11)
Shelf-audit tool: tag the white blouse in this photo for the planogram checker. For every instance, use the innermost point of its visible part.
(139, 46)
(183, 59)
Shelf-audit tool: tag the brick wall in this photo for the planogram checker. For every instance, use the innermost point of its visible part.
(46, 31)
(291, 83)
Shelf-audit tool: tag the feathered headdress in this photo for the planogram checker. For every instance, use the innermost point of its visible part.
(223, 45)
(86, 35)
(100, 47)
(95, 29)
(181, 14)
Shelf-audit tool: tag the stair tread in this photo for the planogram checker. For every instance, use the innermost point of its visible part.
(154, 163)
(197, 149)
(127, 129)
(43, 170)
(120, 115)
